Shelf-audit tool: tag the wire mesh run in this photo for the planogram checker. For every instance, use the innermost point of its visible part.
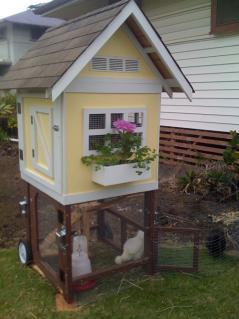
(47, 216)
(176, 249)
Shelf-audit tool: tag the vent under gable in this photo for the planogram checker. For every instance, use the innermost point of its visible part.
(115, 64)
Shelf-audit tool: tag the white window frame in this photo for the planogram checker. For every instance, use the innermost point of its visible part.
(108, 130)
(49, 156)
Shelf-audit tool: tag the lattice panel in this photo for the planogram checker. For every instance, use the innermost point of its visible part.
(96, 121)
(96, 140)
(115, 117)
(136, 118)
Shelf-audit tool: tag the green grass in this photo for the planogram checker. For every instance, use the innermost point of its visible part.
(210, 294)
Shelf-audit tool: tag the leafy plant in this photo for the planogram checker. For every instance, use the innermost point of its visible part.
(220, 179)
(231, 153)
(3, 135)
(7, 105)
(187, 181)
(125, 149)
(12, 122)
(213, 178)
(8, 112)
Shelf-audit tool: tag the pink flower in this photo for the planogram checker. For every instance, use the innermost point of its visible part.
(124, 126)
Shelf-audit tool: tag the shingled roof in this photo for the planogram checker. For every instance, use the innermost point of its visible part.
(59, 55)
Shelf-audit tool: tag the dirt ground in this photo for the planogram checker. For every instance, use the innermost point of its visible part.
(176, 208)
(11, 191)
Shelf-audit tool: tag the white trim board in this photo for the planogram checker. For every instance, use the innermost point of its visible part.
(131, 9)
(113, 85)
(109, 193)
(72, 199)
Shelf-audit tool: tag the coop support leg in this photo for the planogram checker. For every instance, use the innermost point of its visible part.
(101, 223)
(149, 217)
(28, 215)
(68, 291)
(123, 236)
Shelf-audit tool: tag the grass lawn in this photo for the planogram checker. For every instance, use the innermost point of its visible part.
(211, 294)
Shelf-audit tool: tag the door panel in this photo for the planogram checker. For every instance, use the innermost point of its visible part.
(42, 140)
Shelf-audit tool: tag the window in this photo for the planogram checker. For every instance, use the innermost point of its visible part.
(225, 16)
(115, 64)
(36, 33)
(3, 33)
(99, 122)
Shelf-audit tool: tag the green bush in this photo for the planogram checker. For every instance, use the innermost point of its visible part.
(3, 135)
(8, 117)
(218, 179)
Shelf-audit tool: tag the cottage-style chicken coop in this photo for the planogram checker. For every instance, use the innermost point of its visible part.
(72, 86)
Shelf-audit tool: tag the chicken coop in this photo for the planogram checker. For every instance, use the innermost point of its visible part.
(72, 86)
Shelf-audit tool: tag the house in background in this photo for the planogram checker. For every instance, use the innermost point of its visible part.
(18, 33)
(203, 37)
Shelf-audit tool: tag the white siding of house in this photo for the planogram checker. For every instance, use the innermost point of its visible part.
(21, 41)
(211, 63)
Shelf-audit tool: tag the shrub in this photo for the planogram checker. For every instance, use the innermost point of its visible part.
(215, 179)
(3, 135)
(8, 113)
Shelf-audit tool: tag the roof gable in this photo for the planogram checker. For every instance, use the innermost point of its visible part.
(120, 46)
(60, 55)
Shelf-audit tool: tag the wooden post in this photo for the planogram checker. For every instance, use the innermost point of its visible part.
(68, 291)
(100, 222)
(149, 216)
(123, 233)
(28, 216)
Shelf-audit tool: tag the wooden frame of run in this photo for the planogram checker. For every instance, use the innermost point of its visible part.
(62, 279)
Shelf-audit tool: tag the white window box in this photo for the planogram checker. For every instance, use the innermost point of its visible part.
(118, 174)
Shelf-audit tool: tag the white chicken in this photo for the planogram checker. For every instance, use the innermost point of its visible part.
(133, 249)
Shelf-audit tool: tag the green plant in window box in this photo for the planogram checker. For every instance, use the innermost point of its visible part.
(125, 149)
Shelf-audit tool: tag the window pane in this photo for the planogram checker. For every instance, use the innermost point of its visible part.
(115, 138)
(96, 121)
(136, 118)
(115, 117)
(227, 11)
(96, 140)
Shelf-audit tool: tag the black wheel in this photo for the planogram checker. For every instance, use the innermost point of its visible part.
(24, 252)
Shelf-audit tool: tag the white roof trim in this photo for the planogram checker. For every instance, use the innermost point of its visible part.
(162, 51)
(130, 9)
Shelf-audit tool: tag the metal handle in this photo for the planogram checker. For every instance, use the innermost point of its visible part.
(56, 128)
(61, 238)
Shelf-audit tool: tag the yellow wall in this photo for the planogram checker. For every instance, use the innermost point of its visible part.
(120, 46)
(78, 175)
(27, 104)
